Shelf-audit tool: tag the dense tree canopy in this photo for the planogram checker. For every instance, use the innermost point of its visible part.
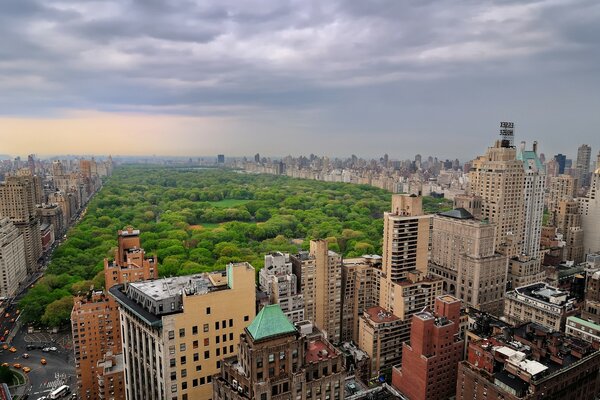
(198, 220)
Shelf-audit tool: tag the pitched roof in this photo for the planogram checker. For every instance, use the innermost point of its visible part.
(270, 321)
(458, 213)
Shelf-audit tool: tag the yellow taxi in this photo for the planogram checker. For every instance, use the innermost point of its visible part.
(17, 365)
(12, 350)
(26, 369)
(43, 361)
(6, 365)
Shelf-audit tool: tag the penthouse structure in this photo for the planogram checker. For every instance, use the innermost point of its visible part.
(529, 362)
(279, 282)
(428, 369)
(175, 331)
(276, 360)
(540, 303)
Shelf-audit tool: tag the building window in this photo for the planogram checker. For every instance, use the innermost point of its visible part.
(194, 330)
(247, 318)
(182, 347)
(205, 327)
(171, 335)
(207, 310)
(206, 354)
(183, 360)
(182, 332)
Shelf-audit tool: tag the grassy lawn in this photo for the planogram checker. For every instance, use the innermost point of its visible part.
(227, 203)
(207, 225)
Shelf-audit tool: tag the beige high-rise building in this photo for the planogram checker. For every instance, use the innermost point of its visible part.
(463, 254)
(567, 220)
(13, 265)
(589, 207)
(18, 202)
(498, 178)
(360, 291)
(176, 331)
(319, 273)
(405, 237)
(511, 185)
(405, 287)
(562, 187)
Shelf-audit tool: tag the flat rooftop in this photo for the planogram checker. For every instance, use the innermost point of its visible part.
(319, 350)
(165, 288)
(379, 314)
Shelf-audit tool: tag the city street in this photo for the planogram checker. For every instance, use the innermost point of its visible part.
(59, 369)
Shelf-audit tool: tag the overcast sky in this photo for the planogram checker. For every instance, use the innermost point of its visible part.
(297, 77)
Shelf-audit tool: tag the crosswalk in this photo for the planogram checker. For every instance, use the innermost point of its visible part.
(59, 380)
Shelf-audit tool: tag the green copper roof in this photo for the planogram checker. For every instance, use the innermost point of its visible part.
(528, 156)
(270, 321)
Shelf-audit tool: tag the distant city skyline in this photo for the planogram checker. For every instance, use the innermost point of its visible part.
(285, 77)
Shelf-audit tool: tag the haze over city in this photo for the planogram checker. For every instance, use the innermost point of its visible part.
(296, 77)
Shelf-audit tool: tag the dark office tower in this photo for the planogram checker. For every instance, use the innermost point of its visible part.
(221, 159)
(584, 154)
(561, 160)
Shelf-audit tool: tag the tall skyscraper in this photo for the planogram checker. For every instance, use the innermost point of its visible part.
(533, 196)
(589, 207)
(319, 273)
(13, 264)
(429, 361)
(584, 155)
(561, 159)
(405, 286)
(498, 178)
(17, 202)
(95, 323)
(511, 185)
(277, 361)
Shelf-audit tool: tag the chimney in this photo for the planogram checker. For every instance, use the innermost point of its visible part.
(535, 146)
